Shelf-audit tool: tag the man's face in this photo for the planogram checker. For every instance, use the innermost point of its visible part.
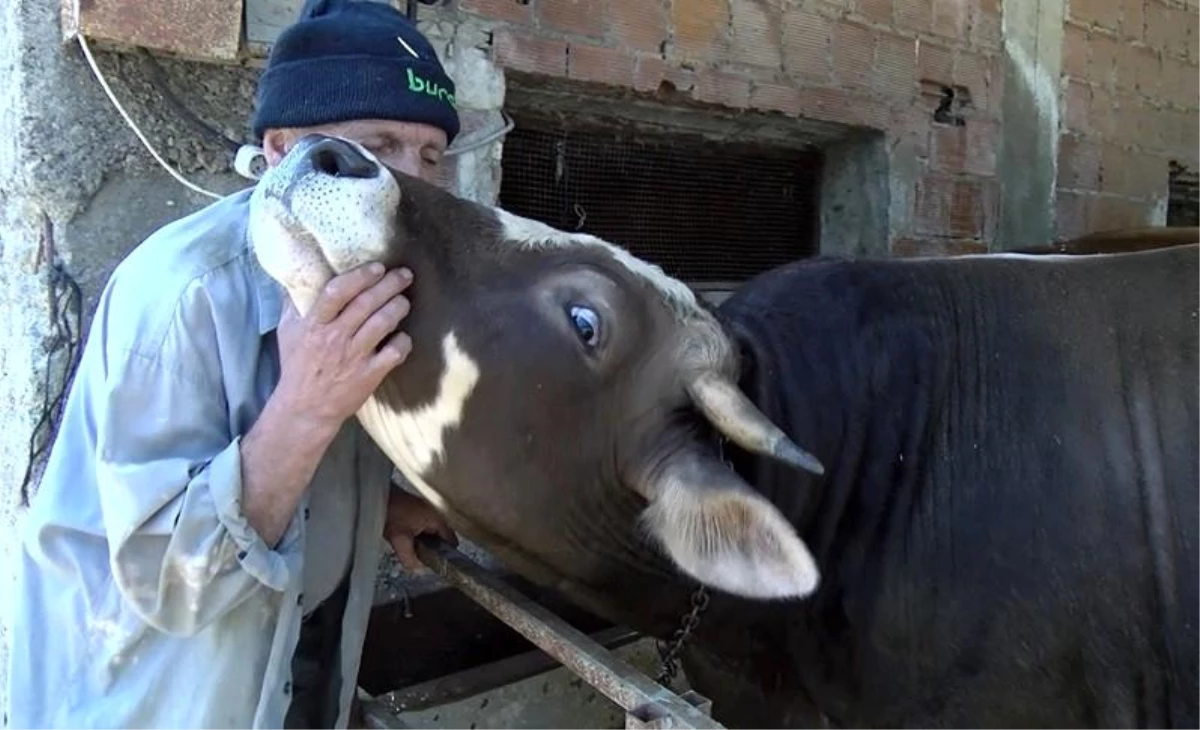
(412, 148)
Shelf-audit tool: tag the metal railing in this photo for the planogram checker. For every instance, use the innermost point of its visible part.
(646, 703)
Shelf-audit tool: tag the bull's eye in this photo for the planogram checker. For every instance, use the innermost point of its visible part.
(586, 324)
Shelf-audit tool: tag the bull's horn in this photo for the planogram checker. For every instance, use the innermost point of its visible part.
(732, 413)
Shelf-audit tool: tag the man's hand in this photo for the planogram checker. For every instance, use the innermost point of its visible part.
(407, 517)
(331, 360)
(335, 356)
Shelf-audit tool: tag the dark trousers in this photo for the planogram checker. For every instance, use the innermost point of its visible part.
(316, 665)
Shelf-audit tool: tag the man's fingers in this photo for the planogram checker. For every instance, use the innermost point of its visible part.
(368, 302)
(443, 530)
(392, 353)
(339, 290)
(382, 323)
(407, 555)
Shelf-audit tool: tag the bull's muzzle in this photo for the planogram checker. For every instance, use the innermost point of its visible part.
(335, 157)
(327, 207)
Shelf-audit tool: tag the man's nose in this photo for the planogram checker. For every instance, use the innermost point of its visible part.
(339, 158)
(408, 162)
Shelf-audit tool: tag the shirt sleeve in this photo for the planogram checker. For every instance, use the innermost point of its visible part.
(169, 474)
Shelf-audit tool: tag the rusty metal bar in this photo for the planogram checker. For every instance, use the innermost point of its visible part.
(643, 700)
(502, 672)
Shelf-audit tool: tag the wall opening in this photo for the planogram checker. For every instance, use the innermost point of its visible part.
(709, 214)
(1183, 198)
(714, 196)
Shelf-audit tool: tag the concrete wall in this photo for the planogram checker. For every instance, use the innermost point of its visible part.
(1113, 99)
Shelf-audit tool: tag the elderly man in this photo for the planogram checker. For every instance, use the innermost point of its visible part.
(203, 547)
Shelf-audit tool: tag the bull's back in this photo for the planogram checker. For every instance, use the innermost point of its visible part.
(1064, 468)
(1038, 562)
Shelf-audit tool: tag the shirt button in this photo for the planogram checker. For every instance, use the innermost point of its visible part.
(300, 599)
(287, 688)
(306, 513)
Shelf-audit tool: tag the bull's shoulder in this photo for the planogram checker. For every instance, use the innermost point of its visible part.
(842, 325)
(828, 288)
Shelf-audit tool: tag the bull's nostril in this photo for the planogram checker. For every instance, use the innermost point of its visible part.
(325, 161)
(339, 158)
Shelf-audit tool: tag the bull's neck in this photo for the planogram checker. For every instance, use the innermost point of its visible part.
(860, 387)
(635, 584)
(884, 428)
(639, 587)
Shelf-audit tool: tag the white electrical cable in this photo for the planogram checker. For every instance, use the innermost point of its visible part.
(133, 125)
(486, 139)
(249, 162)
(248, 155)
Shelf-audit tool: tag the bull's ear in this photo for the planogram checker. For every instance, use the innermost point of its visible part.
(724, 534)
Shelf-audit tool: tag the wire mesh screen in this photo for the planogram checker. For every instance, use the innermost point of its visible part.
(1183, 203)
(703, 211)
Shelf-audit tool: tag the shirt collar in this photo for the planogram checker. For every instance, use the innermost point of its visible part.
(270, 299)
(268, 293)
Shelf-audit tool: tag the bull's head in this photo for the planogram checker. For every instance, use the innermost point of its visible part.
(552, 390)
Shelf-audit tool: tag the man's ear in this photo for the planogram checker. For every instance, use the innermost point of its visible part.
(275, 145)
(721, 532)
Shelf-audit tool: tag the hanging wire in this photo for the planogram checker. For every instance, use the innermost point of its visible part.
(246, 157)
(158, 78)
(66, 319)
(87, 52)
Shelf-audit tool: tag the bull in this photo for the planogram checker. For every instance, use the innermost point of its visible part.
(942, 492)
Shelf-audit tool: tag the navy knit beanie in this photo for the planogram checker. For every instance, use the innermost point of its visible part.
(346, 60)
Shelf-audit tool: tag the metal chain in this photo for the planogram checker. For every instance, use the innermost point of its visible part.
(669, 654)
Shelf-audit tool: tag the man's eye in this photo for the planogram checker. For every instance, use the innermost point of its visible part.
(380, 149)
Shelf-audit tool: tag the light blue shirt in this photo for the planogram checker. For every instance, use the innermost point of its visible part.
(145, 598)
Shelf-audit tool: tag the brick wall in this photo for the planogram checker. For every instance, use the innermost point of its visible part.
(856, 62)
(1130, 101)
(885, 64)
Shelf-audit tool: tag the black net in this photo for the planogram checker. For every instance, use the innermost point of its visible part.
(1183, 205)
(704, 211)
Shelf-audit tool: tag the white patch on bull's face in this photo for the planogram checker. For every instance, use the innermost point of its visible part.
(414, 439)
(731, 539)
(306, 226)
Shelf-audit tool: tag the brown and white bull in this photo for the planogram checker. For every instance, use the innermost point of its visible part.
(963, 492)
